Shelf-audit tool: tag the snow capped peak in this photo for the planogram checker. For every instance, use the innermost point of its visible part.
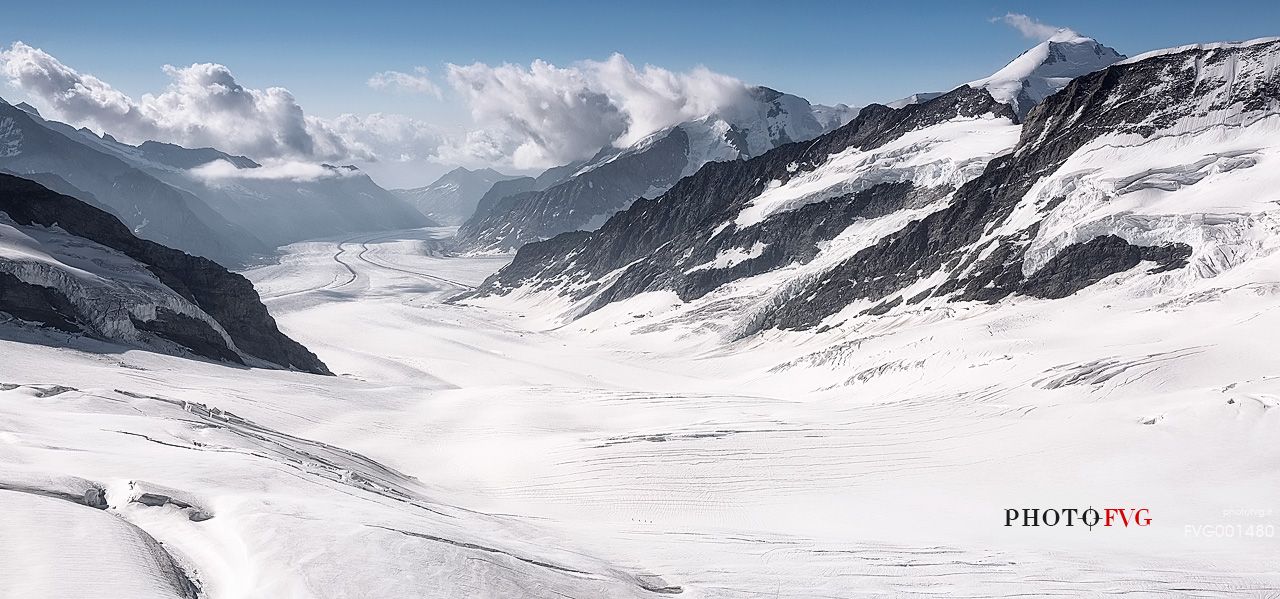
(1067, 35)
(1046, 68)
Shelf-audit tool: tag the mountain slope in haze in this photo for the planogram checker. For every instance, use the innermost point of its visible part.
(615, 177)
(518, 185)
(1155, 168)
(69, 266)
(451, 199)
(232, 212)
(276, 208)
(151, 208)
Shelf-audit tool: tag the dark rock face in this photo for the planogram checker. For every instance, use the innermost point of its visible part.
(650, 241)
(191, 333)
(37, 303)
(573, 204)
(226, 297)
(1080, 265)
(611, 180)
(96, 498)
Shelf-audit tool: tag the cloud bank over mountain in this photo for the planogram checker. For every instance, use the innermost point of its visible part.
(545, 115)
(524, 118)
(204, 105)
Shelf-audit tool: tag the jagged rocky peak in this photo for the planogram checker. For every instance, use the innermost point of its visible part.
(69, 266)
(950, 200)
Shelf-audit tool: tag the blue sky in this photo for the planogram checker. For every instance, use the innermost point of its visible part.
(828, 52)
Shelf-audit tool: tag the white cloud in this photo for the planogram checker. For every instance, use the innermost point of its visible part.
(1032, 28)
(418, 82)
(546, 115)
(221, 170)
(386, 137)
(204, 105)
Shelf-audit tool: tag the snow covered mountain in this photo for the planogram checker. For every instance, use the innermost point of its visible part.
(1037, 73)
(452, 199)
(615, 177)
(69, 266)
(1046, 68)
(648, 168)
(1147, 169)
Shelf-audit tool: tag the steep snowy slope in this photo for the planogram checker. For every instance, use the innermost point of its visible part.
(151, 208)
(1149, 162)
(615, 177)
(72, 267)
(452, 198)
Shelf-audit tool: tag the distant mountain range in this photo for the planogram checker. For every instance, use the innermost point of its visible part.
(231, 215)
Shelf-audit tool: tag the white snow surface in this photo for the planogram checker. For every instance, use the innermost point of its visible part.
(489, 449)
(732, 256)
